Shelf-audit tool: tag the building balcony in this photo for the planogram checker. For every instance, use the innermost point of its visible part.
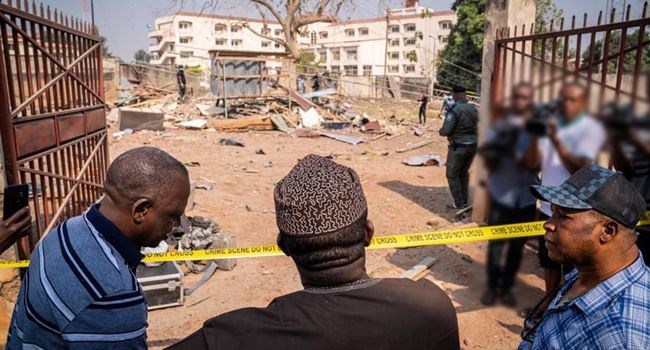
(165, 34)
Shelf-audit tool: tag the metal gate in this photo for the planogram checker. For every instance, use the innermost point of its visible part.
(52, 117)
(610, 57)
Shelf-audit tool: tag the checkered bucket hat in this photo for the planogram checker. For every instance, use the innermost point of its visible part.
(602, 190)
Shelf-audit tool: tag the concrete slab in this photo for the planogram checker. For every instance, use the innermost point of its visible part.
(140, 119)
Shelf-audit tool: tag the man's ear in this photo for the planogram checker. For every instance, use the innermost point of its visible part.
(140, 209)
(609, 230)
(370, 231)
(280, 243)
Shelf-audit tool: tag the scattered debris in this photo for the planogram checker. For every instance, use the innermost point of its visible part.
(424, 160)
(140, 119)
(302, 132)
(319, 93)
(260, 152)
(420, 269)
(194, 124)
(231, 142)
(371, 127)
(192, 164)
(206, 187)
(269, 164)
(336, 125)
(209, 110)
(259, 124)
(119, 134)
(310, 118)
(418, 132)
(415, 146)
(344, 138)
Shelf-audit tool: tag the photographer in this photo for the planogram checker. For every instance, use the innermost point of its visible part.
(508, 188)
(570, 140)
(631, 156)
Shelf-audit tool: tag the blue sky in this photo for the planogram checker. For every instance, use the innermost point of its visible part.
(124, 22)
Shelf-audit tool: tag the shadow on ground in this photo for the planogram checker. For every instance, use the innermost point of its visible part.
(433, 199)
(463, 278)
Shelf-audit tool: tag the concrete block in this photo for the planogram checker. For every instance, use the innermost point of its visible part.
(140, 119)
(225, 240)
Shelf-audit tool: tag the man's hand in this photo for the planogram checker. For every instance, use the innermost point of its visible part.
(552, 131)
(14, 228)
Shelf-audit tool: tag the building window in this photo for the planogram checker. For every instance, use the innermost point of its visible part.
(171, 47)
(313, 38)
(443, 39)
(363, 31)
(336, 54)
(220, 27)
(349, 32)
(350, 70)
(409, 68)
(336, 69)
(187, 54)
(266, 44)
(394, 55)
(367, 70)
(278, 32)
(323, 35)
(445, 25)
(393, 69)
(322, 54)
(409, 27)
(351, 54)
(266, 30)
(277, 46)
(394, 43)
(393, 29)
(184, 25)
(409, 41)
(235, 29)
(185, 40)
(236, 42)
(220, 42)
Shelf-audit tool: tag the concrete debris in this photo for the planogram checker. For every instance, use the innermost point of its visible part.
(371, 127)
(269, 164)
(425, 160)
(280, 123)
(207, 110)
(119, 134)
(310, 118)
(418, 132)
(231, 142)
(260, 152)
(140, 119)
(192, 164)
(336, 125)
(194, 124)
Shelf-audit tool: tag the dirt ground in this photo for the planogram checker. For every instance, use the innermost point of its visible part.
(401, 200)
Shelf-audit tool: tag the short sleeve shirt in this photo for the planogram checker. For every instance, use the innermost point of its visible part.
(584, 137)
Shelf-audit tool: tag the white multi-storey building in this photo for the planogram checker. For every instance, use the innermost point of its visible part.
(405, 42)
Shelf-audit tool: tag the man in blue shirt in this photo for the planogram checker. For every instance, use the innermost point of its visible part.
(605, 302)
(80, 291)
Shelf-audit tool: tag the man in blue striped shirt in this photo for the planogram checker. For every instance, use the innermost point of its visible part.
(80, 291)
(605, 302)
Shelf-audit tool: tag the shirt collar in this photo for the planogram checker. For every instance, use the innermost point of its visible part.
(601, 295)
(114, 236)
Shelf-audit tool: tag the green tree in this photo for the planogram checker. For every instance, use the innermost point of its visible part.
(464, 49)
(629, 60)
(142, 56)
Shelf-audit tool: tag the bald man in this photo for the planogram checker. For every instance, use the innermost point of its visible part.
(80, 291)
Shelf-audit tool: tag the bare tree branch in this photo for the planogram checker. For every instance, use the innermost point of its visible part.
(247, 26)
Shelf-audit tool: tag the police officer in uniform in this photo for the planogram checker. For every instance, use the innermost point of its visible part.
(460, 128)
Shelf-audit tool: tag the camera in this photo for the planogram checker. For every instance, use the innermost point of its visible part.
(620, 119)
(504, 143)
(537, 125)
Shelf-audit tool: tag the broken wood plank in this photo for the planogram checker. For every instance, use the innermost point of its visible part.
(239, 124)
(418, 271)
(415, 146)
(378, 136)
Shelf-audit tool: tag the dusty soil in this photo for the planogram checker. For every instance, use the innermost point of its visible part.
(401, 200)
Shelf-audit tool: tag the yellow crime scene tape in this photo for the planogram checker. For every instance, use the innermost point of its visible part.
(410, 240)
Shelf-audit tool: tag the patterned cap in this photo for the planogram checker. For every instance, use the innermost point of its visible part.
(602, 190)
(317, 197)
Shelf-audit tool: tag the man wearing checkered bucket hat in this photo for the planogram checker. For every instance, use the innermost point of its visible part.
(605, 302)
(322, 218)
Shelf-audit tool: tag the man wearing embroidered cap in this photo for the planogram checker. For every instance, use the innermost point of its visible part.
(321, 214)
(605, 302)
